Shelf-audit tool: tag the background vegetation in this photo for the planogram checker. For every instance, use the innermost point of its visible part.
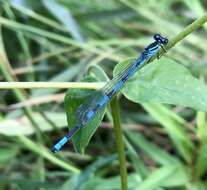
(60, 41)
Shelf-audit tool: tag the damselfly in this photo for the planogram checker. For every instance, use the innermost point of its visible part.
(86, 111)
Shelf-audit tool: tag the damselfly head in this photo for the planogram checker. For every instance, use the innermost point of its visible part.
(160, 39)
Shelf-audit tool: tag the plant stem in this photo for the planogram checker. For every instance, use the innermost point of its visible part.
(61, 85)
(6, 70)
(189, 29)
(185, 32)
(50, 35)
(119, 142)
(43, 152)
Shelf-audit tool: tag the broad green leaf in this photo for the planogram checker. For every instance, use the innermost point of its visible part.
(73, 99)
(151, 149)
(165, 81)
(98, 71)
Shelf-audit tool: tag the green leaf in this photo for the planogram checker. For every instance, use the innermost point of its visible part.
(73, 99)
(165, 81)
(162, 82)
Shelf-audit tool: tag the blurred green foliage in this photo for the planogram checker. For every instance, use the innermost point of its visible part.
(64, 40)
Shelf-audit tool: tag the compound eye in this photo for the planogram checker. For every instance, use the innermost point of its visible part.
(157, 36)
(165, 41)
(159, 40)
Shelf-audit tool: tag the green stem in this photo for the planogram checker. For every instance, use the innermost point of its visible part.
(119, 142)
(56, 85)
(50, 35)
(5, 69)
(21, 97)
(43, 152)
(189, 29)
(185, 32)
